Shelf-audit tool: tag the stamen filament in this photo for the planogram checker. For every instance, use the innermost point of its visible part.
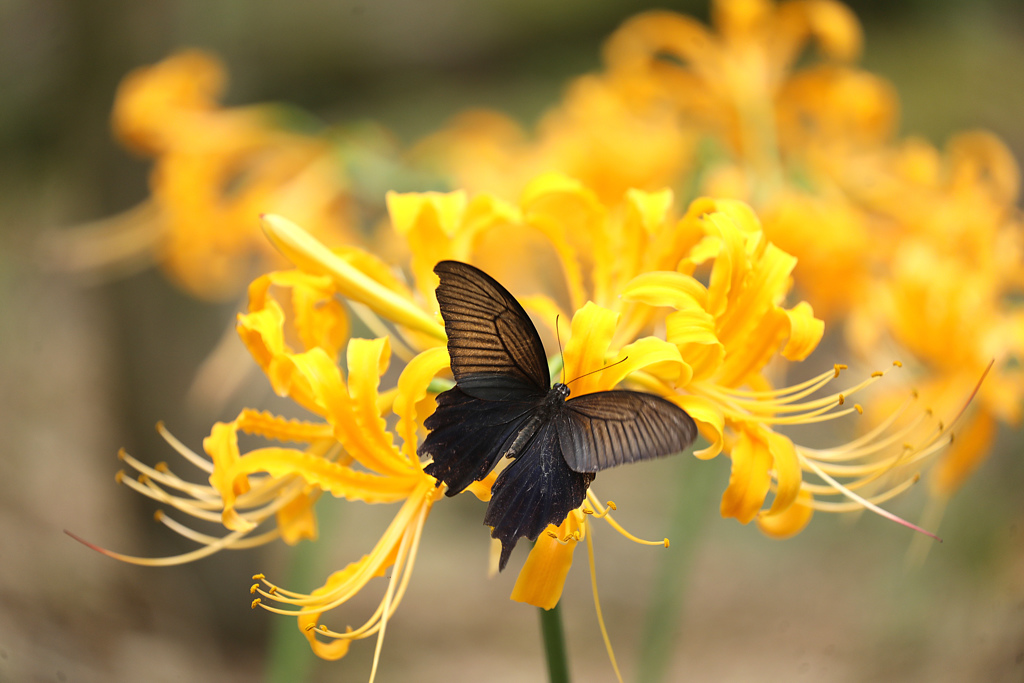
(183, 450)
(201, 492)
(597, 604)
(606, 514)
(344, 592)
(852, 506)
(205, 539)
(865, 502)
(170, 561)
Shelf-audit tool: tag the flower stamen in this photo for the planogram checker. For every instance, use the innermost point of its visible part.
(605, 513)
(597, 603)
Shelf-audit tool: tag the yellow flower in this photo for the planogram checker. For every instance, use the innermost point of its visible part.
(596, 135)
(215, 170)
(679, 102)
(703, 343)
(350, 454)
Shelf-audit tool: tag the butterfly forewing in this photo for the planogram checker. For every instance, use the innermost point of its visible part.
(609, 428)
(495, 350)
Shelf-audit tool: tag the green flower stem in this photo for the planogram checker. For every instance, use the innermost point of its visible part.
(693, 501)
(554, 644)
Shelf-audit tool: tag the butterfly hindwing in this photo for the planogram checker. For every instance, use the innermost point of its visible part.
(537, 489)
(468, 436)
(609, 428)
(495, 350)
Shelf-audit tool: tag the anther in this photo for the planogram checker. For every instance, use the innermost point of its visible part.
(122, 454)
(162, 467)
(837, 367)
(311, 627)
(666, 542)
(143, 479)
(119, 477)
(842, 399)
(158, 515)
(255, 603)
(258, 577)
(877, 373)
(252, 589)
(611, 504)
(897, 363)
(272, 591)
(858, 408)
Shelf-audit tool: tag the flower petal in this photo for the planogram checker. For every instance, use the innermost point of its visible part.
(542, 578)
(709, 418)
(412, 389)
(339, 480)
(788, 522)
(805, 332)
(592, 330)
(655, 356)
(749, 480)
(787, 471)
(307, 253)
(297, 520)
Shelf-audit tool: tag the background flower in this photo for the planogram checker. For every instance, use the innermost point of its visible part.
(89, 370)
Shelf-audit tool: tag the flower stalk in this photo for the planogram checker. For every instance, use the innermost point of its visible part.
(554, 644)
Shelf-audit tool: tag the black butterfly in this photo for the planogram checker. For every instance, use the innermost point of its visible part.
(503, 405)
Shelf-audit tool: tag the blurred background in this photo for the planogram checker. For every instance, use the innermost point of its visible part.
(89, 367)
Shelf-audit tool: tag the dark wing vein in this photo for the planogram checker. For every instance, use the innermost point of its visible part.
(609, 428)
(495, 350)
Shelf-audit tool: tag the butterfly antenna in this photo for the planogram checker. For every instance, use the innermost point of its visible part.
(558, 336)
(603, 367)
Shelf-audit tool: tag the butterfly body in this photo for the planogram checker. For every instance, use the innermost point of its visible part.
(503, 406)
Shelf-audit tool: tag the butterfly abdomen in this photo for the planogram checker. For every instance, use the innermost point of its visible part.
(544, 412)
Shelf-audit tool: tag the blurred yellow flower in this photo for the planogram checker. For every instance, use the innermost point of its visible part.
(811, 144)
(215, 170)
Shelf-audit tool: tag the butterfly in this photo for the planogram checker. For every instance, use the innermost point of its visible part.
(503, 405)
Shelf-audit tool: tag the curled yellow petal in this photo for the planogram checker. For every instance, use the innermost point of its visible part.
(412, 388)
(667, 288)
(788, 522)
(787, 471)
(805, 332)
(222, 447)
(650, 354)
(750, 478)
(358, 428)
